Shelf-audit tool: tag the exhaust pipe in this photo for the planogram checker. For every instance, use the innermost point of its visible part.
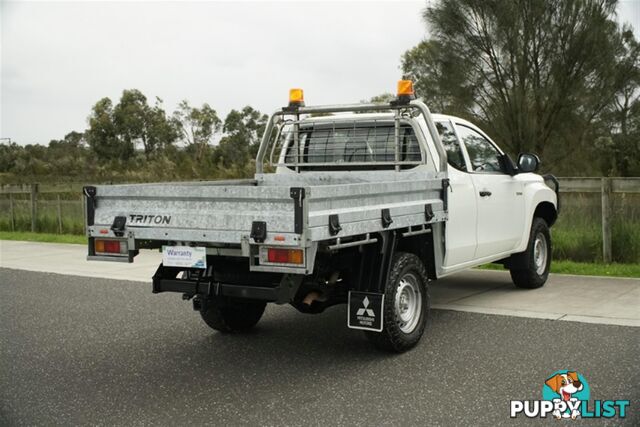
(311, 297)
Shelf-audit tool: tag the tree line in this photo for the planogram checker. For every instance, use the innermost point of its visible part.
(134, 140)
(560, 78)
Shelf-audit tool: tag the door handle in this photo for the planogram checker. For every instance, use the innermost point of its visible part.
(485, 193)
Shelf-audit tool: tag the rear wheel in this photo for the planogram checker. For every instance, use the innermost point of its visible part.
(232, 314)
(406, 305)
(530, 269)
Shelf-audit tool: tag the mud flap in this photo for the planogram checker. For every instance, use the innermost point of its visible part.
(365, 311)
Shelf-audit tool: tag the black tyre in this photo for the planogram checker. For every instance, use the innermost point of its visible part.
(232, 315)
(406, 305)
(530, 269)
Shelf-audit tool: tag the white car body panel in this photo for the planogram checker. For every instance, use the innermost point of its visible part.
(500, 216)
(460, 232)
(502, 220)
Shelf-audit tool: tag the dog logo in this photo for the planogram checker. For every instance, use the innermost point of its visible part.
(565, 386)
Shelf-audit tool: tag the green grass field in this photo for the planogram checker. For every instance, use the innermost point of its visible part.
(585, 268)
(557, 266)
(70, 207)
(42, 237)
(577, 236)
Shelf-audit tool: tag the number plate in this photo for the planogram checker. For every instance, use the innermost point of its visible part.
(184, 256)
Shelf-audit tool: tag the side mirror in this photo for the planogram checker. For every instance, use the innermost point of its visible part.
(528, 162)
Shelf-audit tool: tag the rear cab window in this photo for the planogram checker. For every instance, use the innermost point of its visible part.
(367, 145)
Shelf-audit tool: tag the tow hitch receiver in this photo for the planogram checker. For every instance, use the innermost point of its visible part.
(365, 311)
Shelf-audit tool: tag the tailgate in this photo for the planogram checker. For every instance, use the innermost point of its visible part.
(187, 212)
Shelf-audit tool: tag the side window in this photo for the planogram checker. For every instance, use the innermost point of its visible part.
(451, 145)
(484, 157)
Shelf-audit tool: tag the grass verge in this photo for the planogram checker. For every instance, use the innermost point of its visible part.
(585, 268)
(42, 237)
(557, 266)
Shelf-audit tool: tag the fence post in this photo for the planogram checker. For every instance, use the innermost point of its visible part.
(13, 221)
(59, 216)
(34, 207)
(606, 220)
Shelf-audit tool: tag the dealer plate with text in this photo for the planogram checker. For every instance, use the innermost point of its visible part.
(365, 311)
(184, 256)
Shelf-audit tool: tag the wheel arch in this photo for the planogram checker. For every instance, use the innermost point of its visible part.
(540, 202)
(546, 211)
(422, 246)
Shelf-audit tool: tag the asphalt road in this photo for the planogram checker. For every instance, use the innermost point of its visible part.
(77, 350)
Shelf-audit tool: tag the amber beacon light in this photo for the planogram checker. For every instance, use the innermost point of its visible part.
(405, 88)
(296, 97)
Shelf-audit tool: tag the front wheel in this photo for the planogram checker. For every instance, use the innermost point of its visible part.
(232, 314)
(406, 305)
(530, 269)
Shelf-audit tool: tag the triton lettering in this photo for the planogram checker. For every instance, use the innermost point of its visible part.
(150, 219)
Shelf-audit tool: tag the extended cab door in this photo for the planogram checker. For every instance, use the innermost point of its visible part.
(499, 197)
(460, 229)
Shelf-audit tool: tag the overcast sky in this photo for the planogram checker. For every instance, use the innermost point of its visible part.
(59, 58)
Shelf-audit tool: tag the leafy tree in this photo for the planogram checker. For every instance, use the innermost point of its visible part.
(161, 131)
(9, 153)
(129, 117)
(383, 98)
(137, 122)
(102, 135)
(439, 78)
(623, 116)
(70, 155)
(537, 74)
(197, 126)
(247, 122)
(72, 140)
(243, 130)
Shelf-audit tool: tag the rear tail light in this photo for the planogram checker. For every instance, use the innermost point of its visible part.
(105, 246)
(283, 256)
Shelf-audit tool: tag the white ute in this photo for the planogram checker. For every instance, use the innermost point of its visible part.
(361, 204)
